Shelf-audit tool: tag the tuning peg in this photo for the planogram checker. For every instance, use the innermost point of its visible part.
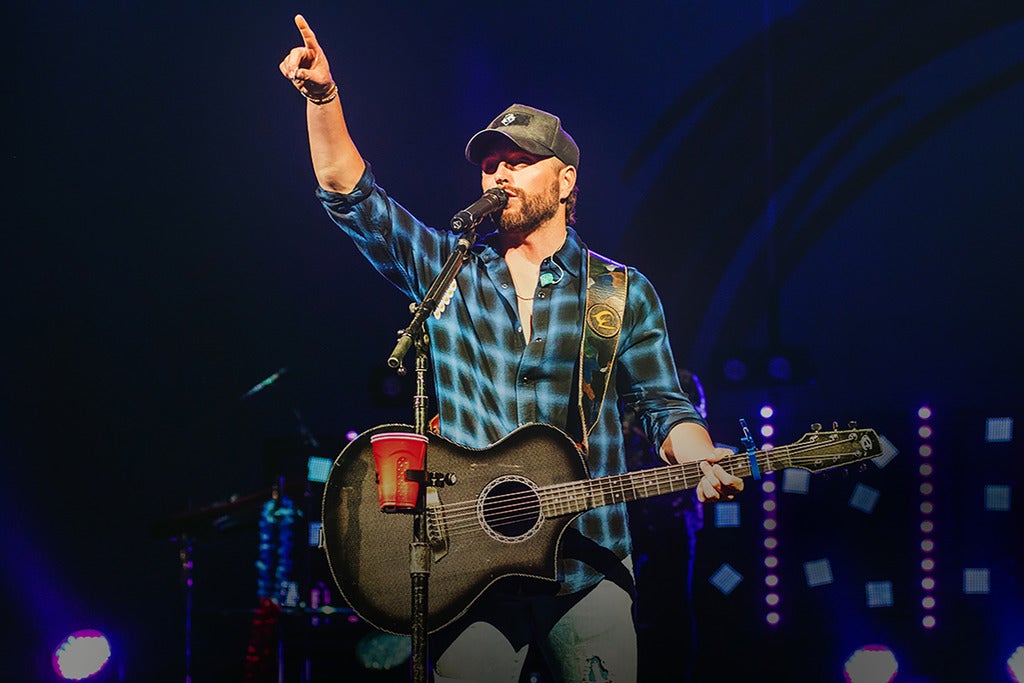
(852, 424)
(816, 427)
(835, 426)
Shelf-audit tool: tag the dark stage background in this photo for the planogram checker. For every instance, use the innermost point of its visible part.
(835, 183)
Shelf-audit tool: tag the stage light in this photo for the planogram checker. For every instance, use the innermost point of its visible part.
(771, 561)
(997, 498)
(767, 430)
(727, 514)
(779, 368)
(318, 469)
(928, 583)
(771, 543)
(926, 507)
(796, 480)
(771, 580)
(772, 599)
(768, 505)
(888, 452)
(999, 429)
(976, 581)
(767, 411)
(864, 498)
(773, 618)
(871, 664)
(818, 572)
(314, 533)
(1015, 665)
(351, 435)
(735, 370)
(768, 486)
(383, 651)
(725, 579)
(81, 655)
(879, 593)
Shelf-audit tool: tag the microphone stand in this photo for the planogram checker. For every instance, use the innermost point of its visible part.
(419, 548)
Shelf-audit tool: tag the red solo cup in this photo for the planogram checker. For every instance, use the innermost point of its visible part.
(394, 453)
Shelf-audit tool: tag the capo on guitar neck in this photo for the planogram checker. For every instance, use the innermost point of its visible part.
(748, 443)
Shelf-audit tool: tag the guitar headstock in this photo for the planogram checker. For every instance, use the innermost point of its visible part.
(820, 450)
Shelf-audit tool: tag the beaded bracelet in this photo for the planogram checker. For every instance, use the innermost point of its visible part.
(331, 93)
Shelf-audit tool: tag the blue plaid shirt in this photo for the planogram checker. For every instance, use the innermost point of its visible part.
(489, 380)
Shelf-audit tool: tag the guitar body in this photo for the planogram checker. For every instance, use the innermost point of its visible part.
(473, 542)
(505, 511)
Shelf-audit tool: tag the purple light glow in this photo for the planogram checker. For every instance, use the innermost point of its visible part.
(81, 655)
(871, 664)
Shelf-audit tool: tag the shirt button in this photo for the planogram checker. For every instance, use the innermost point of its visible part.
(539, 339)
(504, 285)
(540, 295)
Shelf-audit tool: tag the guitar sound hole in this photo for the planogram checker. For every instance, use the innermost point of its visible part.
(510, 509)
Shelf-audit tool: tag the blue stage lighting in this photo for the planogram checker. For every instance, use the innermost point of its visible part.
(81, 655)
(314, 533)
(879, 593)
(318, 469)
(726, 579)
(871, 664)
(999, 429)
(727, 514)
(818, 572)
(864, 498)
(997, 498)
(889, 452)
(976, 581)
(795, 480)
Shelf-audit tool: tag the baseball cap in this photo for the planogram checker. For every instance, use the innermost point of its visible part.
(530, 129)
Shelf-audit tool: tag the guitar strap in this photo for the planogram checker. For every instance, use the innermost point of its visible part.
(606, 283)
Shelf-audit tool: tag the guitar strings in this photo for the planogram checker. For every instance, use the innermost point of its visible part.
(504, 509)
(621, 481)
(514, 501)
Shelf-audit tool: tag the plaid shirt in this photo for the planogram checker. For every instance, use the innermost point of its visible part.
(489, 380)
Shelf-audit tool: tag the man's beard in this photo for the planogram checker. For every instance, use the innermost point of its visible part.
(535, 210)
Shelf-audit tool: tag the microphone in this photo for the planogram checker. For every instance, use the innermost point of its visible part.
(265, 383)
(493, 200)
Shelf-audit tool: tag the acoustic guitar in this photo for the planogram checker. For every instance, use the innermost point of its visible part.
(505, 512)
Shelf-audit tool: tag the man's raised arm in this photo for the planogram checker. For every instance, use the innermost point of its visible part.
(336, 161)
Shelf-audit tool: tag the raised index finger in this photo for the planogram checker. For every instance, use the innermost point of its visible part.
(308, 37)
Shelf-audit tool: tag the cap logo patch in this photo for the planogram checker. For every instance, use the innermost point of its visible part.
(513, 119)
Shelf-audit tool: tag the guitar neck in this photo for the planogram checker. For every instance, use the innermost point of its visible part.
(579, 496)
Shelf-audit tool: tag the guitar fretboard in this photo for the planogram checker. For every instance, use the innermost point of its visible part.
(578, 496)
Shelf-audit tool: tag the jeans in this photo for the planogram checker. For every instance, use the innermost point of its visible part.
(585, 637)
